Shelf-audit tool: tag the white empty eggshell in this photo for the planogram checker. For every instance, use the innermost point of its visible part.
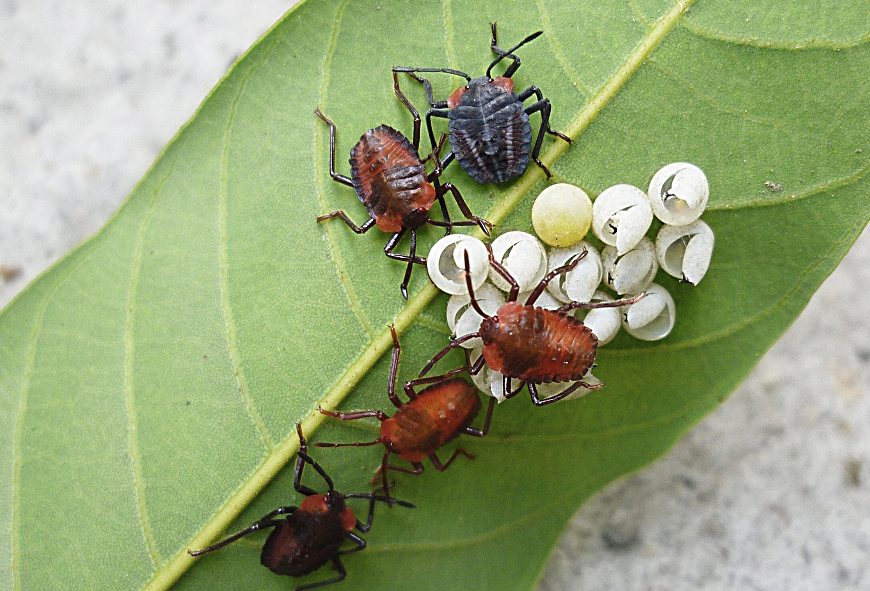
(633, 271)
(621, 216)
(652, 317)
(463, 319)
(578, 284)
(524, 258)
(561, 214)
(446, 264)
(581, 391)
(678, 193)
(684, 252)
(603, 322)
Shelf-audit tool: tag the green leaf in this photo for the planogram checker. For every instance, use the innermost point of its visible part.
(150, 381)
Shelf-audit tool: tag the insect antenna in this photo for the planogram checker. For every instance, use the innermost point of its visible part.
(511, 50)
(302, 458)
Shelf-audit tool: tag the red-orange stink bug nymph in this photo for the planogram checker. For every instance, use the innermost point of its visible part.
(431, 418)
(391, 181)
(530, 344)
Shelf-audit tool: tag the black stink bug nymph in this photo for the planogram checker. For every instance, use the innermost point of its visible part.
(490, 133)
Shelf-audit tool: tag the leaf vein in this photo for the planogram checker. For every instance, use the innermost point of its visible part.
(129, 393)
(809, 43)
(226, 306)
(334, 251)
(706, 99)
(559, 51)
(449, 33)
(784, 197)
(18, 425)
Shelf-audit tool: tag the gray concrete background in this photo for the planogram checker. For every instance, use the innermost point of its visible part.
(769, 492)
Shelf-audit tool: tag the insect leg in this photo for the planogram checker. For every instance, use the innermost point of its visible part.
(407, 103)
(544, 107)
(493, 45)
(542, 285)
(342, 573)
(538, 401)
(515, 287)
(372, 497)
(343, 217)
(351, 416)
(360, 543)
(594, 305)
(453, 344)
(335, 176)
(381, 472)
(410, 72)
(388, 250)
(463, 207)
(508, 393)
(507, 53)
(428, 85)
(536, 106)
(477, 366)
(411, 258)
(486, 422)
(394, 368)
(265, 522)
(302, 458)
(443, 113)
(441, 467)
(410, 266)
(409, 386)
(433, 177)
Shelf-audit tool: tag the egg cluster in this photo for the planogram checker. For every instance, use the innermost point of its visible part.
(627, 264)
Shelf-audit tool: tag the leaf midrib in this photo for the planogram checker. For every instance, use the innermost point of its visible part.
(382, 340)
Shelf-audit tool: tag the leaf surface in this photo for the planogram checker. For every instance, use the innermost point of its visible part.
(150, 381)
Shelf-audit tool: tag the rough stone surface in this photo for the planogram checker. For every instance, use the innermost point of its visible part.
(770, 492)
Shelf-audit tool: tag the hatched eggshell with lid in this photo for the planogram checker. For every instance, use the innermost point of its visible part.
(446, 263)
(621, 216)
(524, 258)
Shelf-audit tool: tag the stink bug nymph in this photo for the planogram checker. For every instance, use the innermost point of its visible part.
(312, 533)
(391, 181)
(430, 419)
(530, 344)
(490, 133)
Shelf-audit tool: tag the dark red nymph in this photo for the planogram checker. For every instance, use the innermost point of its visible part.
(311, 534)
